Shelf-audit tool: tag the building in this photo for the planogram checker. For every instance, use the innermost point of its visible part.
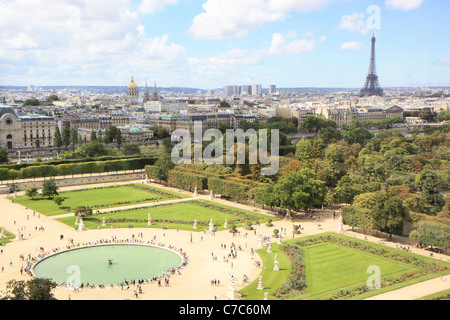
(25, 131)
(132, 92)
(272, 89)
(138, 134)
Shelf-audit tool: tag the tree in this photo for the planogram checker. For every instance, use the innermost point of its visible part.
(58, 200)
(131, 149)
(65, 136)
(224, 104)
(31, 102)
(3, 155)
(349, 187)
(299, 190)
(93, 149)
(52, 99)
(433, 199)
(49, 188)
(162, 166)
(31, 192)
(57, 139)
(308, 149)
(434, 234)
(388, 214)
(119, 138)
(357, 217)
(83, 212)
(93, 136)
(34, 289)
(73, 138)
(357, 134)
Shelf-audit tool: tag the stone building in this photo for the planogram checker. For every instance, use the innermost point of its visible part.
(132, 92)
(25, 131)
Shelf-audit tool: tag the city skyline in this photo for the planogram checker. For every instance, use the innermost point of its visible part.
(212, 43)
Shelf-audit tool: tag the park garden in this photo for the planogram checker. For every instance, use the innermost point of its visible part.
(335, 267)
(94, 198)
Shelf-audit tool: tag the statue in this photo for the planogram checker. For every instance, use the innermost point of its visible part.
(275, 264)
(149, 220)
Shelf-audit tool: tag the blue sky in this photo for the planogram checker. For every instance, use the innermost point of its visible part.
(211, 43)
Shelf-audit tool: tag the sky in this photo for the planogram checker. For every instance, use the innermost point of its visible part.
(208, 44)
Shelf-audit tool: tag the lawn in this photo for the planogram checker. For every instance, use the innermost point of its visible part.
(97, 198)
(179, 215)
(338, 269)
(330, 267)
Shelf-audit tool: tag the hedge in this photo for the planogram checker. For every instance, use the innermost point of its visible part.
(188, 180)
(43, 171)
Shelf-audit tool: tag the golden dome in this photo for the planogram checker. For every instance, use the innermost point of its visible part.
(132, 84)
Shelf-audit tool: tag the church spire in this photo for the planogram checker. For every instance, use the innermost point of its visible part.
(146, 95)
(155, 93)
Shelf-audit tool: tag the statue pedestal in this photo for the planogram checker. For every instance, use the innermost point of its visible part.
(260, 284)
(232, 293)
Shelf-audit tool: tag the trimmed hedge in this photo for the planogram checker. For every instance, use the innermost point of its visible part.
(188, 180)
(44, 171)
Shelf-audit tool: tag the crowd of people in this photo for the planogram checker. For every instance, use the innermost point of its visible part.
(29, 261)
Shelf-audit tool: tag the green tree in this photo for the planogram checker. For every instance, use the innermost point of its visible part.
(434, 234)
(57, 139)
(224, 104)
(93, 136)
(52, 99)
(31, 102)
(308, 149)
(58, 200)
(49, 188)
(388, 214)
(299, 190)
(119, 138)
(83, 212)
(357, 134)
(73, 138)
(3, 155)
(357, 217)
(162, 166)
(429, 183)
(35, 289)
(31, 192)
(65, 136)
(130, 149)
(349, 187)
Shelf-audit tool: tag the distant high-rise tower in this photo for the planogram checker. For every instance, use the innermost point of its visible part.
(372, 86)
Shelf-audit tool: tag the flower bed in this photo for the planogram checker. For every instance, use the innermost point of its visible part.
(296, 283)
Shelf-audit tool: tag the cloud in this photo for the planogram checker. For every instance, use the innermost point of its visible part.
(444, 62)
(87, 42)
(354, 22)
(153, 6)
(404, 5)
(279, 45)
(232, 19)
(351, 46)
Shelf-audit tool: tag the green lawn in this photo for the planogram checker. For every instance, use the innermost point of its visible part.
(7, 237)
(333, 269)
(97, 198)
(177, 215)
(330, 267)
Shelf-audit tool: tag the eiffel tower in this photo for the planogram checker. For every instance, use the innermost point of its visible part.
(372, 86)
